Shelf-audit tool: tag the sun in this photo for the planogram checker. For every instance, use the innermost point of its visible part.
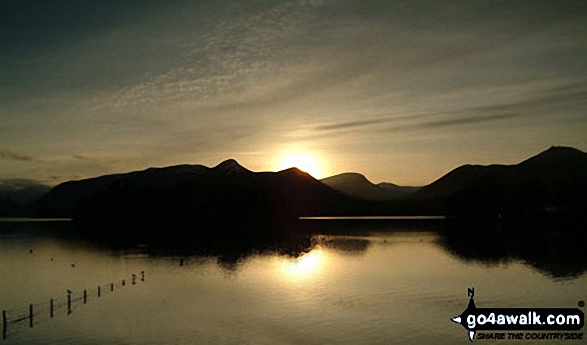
(304, 162)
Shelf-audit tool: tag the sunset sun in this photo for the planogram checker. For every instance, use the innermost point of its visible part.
(302, 161)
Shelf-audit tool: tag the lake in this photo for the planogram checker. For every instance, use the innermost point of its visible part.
(386, 284)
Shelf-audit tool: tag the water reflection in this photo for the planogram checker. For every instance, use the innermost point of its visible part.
(556, 249)
(304, 266)
(553, 248)
(346, 245)
(375, 285)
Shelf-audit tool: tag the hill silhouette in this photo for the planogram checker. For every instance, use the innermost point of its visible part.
(359, 186)
(552, 181)
(64, 198)
(497, 212)
(399, 191)
(230, 201)
(195, 202)
(17, 195)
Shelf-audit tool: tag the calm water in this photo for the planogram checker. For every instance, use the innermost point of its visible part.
(382, 286)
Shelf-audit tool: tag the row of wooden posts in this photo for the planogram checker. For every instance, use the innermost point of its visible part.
(31, 312)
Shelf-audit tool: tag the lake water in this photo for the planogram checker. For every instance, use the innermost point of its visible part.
(384, 285)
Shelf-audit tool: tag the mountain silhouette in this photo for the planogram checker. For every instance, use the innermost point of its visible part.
(64, 198)
(532, 211)
(398, 191)
(231, 166)
(552, 181)
(226, 201)
(463, 178)
(359, 186)
(17, 196)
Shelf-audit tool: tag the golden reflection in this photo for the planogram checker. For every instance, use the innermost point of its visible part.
(303, 267)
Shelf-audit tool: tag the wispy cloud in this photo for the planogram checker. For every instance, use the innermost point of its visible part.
(217, 59)
(83, 158)
(192, 81)
(544, 102)
(12, 155)
(18, 183)
(351, 124)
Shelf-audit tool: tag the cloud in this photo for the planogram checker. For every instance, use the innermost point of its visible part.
(215, 59)
(188, 81)
(547, 101)
(555, 99)
(11, 155)
(18, 183)
(83, 158)
(462, 121)
(351, 124)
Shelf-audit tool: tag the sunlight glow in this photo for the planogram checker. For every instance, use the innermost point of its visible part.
(303, 267)
(303, 161)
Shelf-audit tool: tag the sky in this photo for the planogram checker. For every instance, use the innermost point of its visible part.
(400, 91)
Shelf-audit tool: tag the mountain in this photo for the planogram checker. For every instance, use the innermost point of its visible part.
(64, 198)
(228, 210)
(463, 178)
(17, 195)
(555, 165)
(398, 191)
(223, 202)
(554, 180)
(358, 186)
(230, 196)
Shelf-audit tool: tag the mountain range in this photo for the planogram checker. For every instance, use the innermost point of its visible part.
(533, 211)
(195, 202)
(555, 169)
(553, 181)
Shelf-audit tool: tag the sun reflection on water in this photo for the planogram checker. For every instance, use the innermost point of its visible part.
(303, 267)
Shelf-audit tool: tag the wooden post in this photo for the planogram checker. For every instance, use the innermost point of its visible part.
(123, 282)
(142, 276)
(134, 279)
(85, 296)
(51, 307)
(99, 291)
(111, 286)
(31, 315)
(4, 324)
(68, 303)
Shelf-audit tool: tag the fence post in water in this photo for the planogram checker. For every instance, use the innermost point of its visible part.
(123, 282)
(99, 291)
(68, 302)
(111, 286)
(85, 296)
(134, 279)
(31, 315)
(142, 276)
(4, 325)
(51, 307)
